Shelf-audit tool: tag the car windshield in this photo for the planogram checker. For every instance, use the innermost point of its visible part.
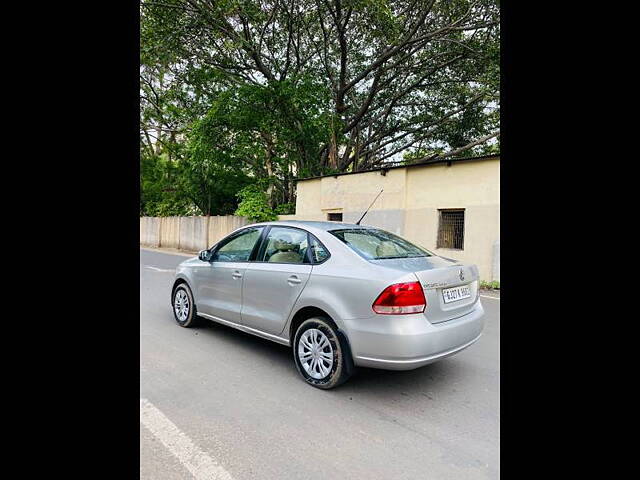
(374, 244)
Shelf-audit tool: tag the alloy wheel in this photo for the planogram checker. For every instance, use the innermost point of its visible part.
(315, 353)
(181, 305)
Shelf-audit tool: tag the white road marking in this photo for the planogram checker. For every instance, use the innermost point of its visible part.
(487, 296)
(159, 269)
(199, 464)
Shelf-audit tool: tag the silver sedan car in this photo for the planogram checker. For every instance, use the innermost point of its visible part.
(341, 295)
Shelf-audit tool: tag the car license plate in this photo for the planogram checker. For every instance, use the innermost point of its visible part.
(456, 293)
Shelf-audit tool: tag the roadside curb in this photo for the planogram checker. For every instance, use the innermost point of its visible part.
(170, 251)
(493, 294)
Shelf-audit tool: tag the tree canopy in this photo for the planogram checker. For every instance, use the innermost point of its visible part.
(237, 93)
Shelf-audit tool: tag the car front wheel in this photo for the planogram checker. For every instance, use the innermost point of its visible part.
(184, 309)
(320, 354)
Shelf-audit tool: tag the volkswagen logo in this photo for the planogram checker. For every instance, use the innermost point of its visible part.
(461, 274)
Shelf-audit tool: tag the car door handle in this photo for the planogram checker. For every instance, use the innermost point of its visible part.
(293, 280)
(236, 274)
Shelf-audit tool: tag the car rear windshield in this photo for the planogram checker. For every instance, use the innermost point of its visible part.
(374, 244)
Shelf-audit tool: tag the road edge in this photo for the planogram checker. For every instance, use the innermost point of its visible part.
(170, 251)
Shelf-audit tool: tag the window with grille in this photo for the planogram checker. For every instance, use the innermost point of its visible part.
(334, 217)
(451, 229)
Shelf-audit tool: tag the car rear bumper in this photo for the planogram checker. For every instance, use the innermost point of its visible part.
(405, 342)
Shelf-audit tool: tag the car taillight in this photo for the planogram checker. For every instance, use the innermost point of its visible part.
(400, 299)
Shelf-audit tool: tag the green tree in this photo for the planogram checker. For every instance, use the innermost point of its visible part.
(160, 194)
(281, 89)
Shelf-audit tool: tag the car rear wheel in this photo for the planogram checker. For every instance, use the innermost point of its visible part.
(184, 309)
(321, 354)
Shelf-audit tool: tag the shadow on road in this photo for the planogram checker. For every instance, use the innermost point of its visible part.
(429, 381)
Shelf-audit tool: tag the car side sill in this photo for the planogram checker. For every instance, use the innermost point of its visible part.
(423, 359)
(244, 328)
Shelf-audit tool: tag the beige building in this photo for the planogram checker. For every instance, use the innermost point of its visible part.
(451, 207)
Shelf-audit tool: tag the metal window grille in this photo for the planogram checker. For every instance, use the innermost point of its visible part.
(451, 229)
(334, 217)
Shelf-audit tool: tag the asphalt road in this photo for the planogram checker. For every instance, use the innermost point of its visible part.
(224, 404)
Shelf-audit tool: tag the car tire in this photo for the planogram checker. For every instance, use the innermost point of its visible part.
(321, 355)
(185, 317)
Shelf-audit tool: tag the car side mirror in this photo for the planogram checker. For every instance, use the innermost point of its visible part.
(204, 255)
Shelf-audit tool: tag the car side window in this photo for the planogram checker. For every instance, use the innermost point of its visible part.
(239, 248)
(286, 245)
(318, 252)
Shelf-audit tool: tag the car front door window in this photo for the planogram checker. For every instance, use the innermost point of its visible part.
(239, 248)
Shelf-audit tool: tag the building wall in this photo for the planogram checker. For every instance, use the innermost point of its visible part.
(187, 233)
(410, 202)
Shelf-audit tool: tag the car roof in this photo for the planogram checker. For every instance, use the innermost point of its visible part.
(326, 226)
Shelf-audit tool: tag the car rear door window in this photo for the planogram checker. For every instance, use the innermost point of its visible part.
(286, 245)
(318, 251)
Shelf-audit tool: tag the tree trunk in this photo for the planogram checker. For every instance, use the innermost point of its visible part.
(269, 165)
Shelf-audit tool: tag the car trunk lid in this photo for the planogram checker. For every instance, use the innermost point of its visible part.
(450, 287)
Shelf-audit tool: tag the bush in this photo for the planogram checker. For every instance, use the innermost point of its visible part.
(286, 209)
(494, 285)
(254, 205)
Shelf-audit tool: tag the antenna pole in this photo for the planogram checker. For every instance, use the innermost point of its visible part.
(367, 210)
